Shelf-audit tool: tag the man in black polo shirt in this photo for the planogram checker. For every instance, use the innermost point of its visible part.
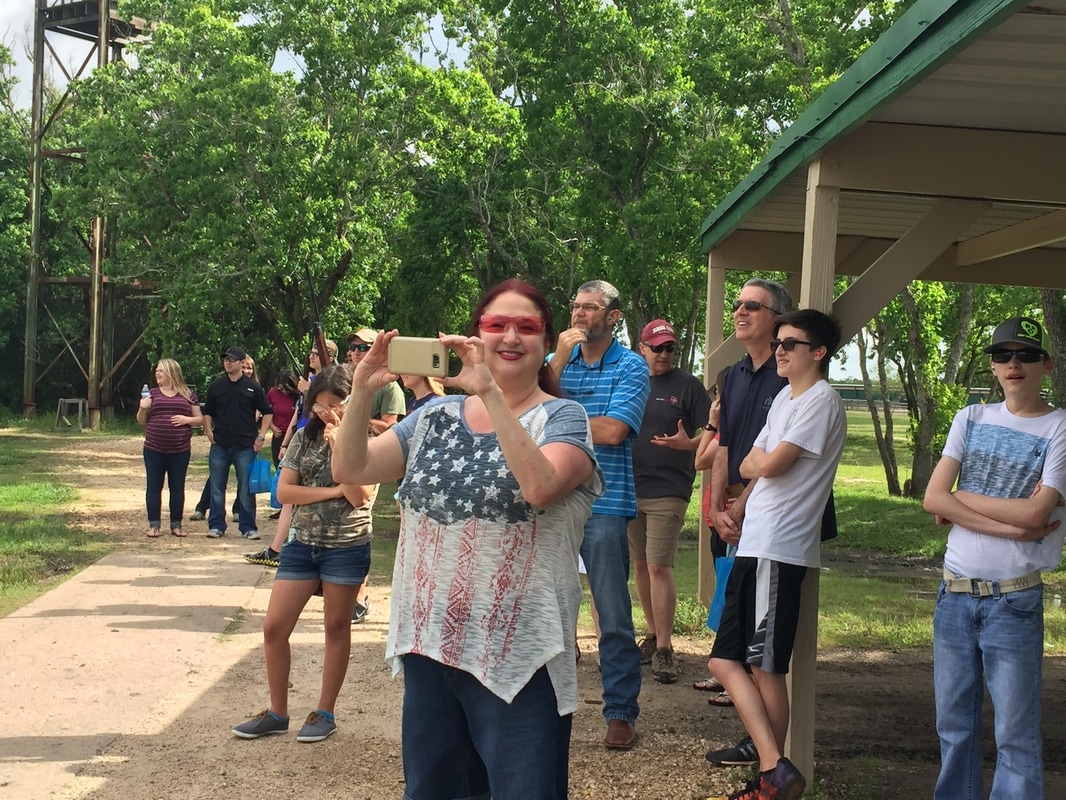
(747, 392)
(230, 425)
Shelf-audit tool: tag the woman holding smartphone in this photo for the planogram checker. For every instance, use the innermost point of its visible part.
(331, 548)
(497, 486)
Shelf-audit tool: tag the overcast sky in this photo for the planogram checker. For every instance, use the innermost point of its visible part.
(16, 32)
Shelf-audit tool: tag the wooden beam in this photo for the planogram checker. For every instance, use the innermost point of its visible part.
(1006, 166)
(1027, 235)
(819, 245)
(903, 262)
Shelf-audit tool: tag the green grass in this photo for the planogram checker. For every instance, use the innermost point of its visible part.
(37, 546)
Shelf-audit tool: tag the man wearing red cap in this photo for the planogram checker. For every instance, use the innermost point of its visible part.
(663, 470)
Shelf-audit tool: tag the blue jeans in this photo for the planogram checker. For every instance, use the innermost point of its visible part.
(997, 640)
(219, 460)
(459, 740)
(172, 467)
(605, 551)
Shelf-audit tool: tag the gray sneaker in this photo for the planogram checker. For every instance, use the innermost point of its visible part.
(663, 665)
(252, 534)
(215, 533)
(647, 648)
(197, 516)
(316, 728)
(262, 725)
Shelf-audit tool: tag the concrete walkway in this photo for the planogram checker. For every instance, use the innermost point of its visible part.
(86, 662)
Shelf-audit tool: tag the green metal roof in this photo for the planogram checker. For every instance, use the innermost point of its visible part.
(929, 34)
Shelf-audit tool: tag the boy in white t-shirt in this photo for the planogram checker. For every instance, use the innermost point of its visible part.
(794, 460)
(1009, 460)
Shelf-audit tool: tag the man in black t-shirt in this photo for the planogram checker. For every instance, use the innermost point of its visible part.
(663, 471)
(236, 437)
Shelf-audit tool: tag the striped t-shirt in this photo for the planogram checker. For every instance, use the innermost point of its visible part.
(159, 434)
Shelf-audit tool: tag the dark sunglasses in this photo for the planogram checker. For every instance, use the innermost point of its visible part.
(497, 323)
(751, 305)
(1027, 356)
(359, 347)
(788, 345)
(669, 347)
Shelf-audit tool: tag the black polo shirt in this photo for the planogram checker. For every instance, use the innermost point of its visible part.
(747, 394)
(232, 406)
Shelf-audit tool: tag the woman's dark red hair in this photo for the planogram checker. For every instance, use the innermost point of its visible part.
(545, 379)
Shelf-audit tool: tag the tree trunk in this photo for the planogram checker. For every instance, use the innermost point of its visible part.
(1054, 303)
(885, 446)
(924, 408)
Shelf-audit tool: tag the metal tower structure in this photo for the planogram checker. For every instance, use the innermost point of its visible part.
(97, 23)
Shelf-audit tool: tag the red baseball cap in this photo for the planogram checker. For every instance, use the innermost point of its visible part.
(657, 332)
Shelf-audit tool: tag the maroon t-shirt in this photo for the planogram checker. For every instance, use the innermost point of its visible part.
(159, 434)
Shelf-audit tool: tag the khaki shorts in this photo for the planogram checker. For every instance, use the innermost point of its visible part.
(653, 534)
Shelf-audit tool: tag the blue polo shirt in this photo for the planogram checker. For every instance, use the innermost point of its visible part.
(616, 386)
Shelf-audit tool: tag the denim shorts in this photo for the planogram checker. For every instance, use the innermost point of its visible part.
(346, 566)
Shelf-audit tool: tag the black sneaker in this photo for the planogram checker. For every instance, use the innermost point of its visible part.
(360, 612)
(742, 754)
(266, 557)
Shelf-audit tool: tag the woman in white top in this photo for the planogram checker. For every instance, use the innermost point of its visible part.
(497, 486)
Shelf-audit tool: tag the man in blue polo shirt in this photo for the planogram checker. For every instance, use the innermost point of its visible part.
(611, 382)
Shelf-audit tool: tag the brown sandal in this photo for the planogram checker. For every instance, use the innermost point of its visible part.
(153, 533)
(177, 532)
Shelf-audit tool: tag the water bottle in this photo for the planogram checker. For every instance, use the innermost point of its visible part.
(144, 391)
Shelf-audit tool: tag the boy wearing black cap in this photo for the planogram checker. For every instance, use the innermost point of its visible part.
(1009, 462)
(230, 426)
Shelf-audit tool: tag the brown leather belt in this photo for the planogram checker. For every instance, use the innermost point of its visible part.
(978, 588)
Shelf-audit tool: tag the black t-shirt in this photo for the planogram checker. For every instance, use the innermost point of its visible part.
(662, 471)
(232, 406)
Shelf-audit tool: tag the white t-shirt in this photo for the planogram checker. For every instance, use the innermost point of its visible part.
(484, 581)
(783, 517)
(1004, 455)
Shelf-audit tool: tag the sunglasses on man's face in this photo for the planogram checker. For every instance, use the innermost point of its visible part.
(788, 345)
(669, 347)
(1027, 356)
(359, 347)
(750, 305)
(497, 323)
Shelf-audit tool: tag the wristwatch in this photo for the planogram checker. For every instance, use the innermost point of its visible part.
(710, 427)
(260, 437)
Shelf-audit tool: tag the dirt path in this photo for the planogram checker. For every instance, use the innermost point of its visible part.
(186, 684)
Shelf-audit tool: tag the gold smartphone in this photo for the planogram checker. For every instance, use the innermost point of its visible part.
(415, 355)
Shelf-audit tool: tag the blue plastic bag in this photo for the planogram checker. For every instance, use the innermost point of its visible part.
(723, 565)
(274, 502)
(259, 476)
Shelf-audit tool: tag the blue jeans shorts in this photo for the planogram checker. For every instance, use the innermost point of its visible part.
(346, 566)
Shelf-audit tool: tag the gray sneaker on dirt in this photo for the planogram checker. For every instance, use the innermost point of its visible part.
(647, 648)
(252, 534)
(742, 754)
(316, 728)
(664, 665)
(197, 516)
(215, 533)
(360, 611)
(262, 725)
